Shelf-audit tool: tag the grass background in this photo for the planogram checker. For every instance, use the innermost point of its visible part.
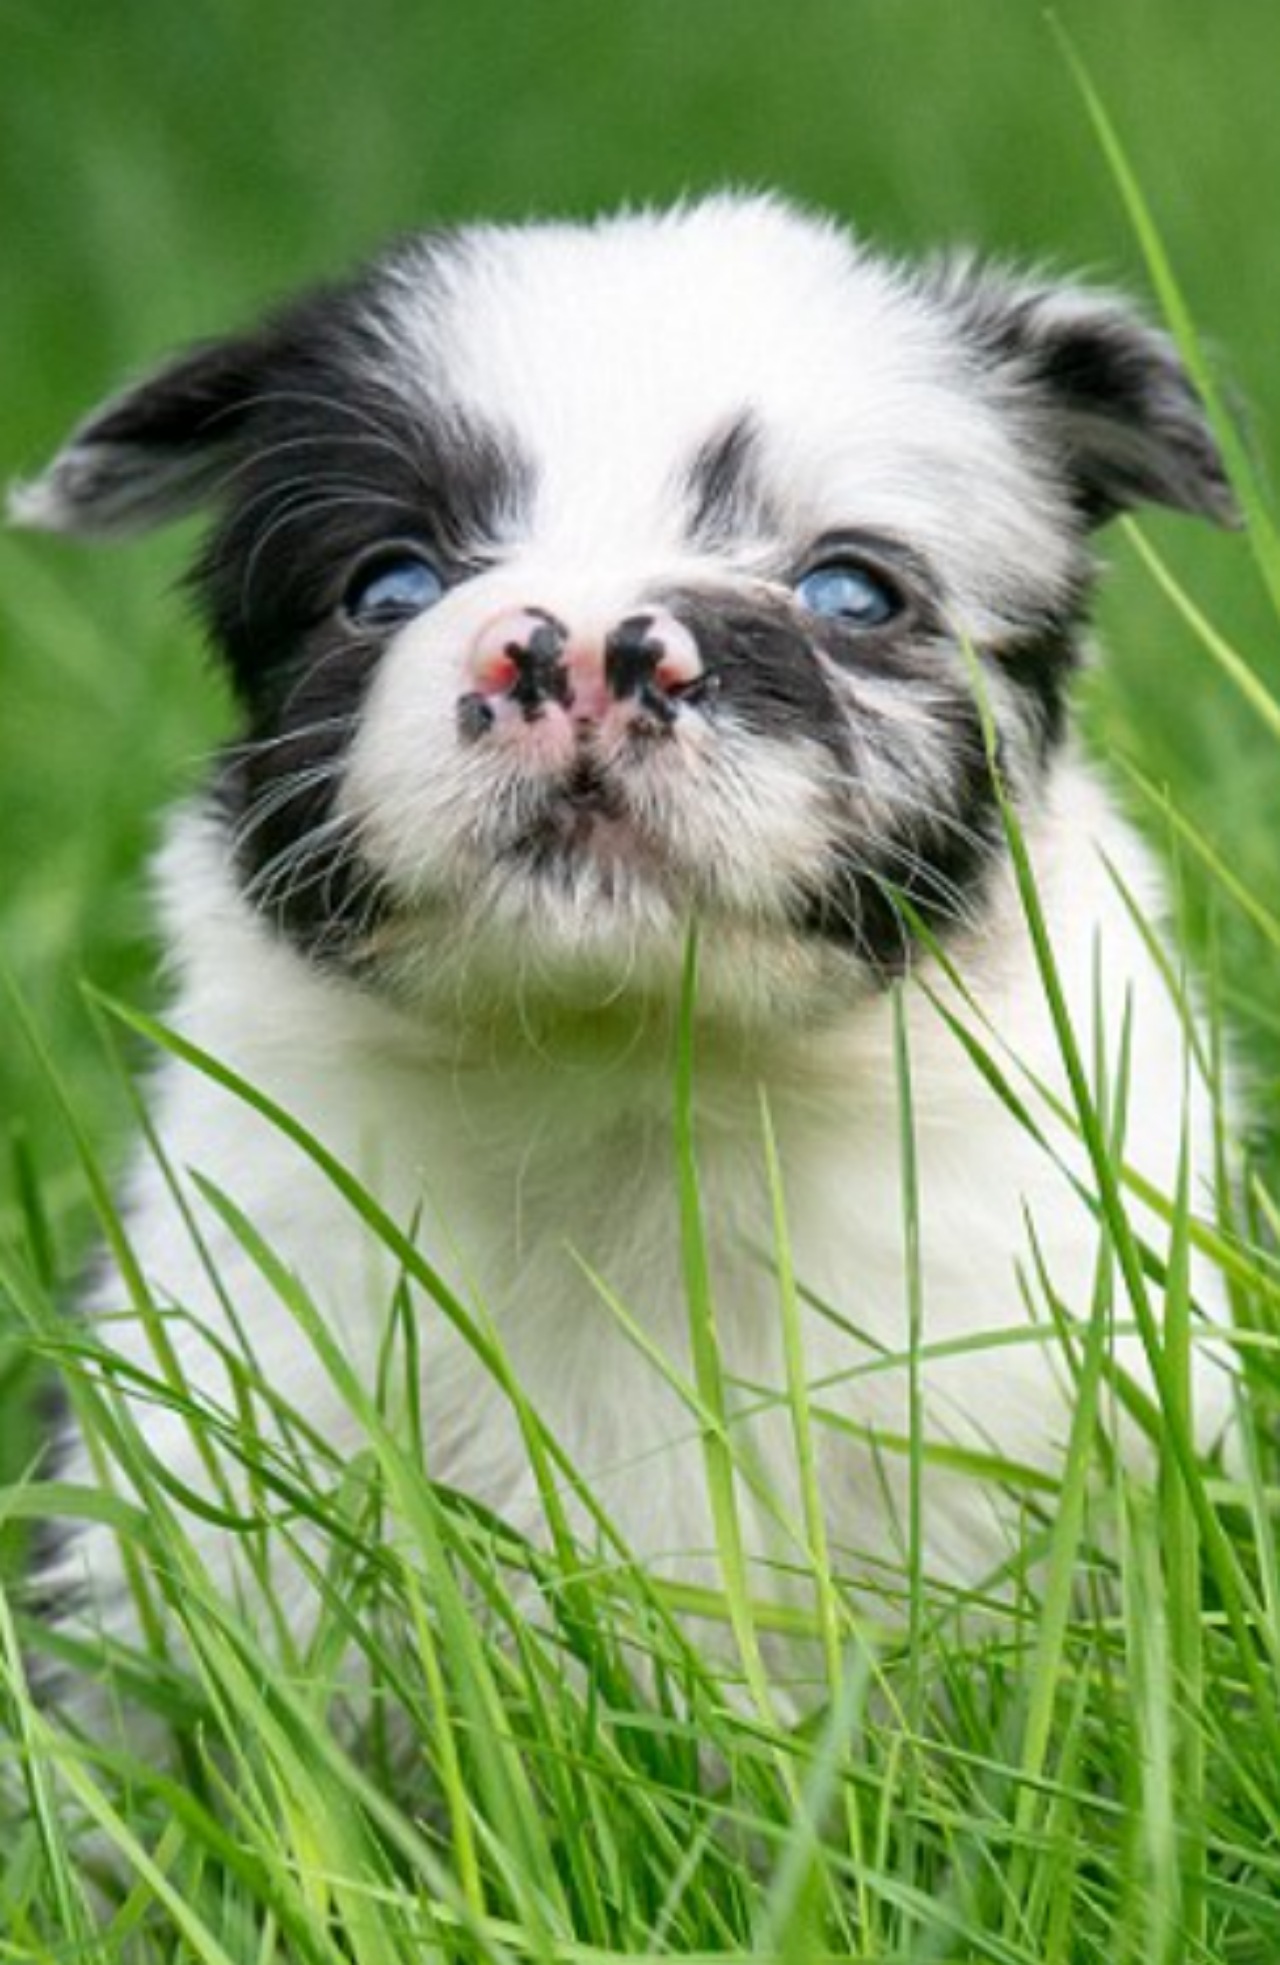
(165, 170)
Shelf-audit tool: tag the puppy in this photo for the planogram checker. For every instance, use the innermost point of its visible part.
(584, 585)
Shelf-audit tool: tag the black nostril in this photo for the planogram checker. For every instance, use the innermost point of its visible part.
(632, 652)
(541, 675)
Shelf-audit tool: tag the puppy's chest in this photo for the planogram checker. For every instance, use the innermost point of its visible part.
(569, 1233)
(549, 1202)
(572, 1249)
(570, 1226)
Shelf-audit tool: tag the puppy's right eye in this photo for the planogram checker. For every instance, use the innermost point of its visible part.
(847, 591)
(391, 585)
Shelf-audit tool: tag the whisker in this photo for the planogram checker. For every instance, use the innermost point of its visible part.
(249, 748)
(373, 433)
(279, 795)
(308, 506)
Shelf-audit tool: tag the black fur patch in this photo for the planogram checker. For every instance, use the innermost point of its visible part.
(758, 654)
(316, 496)
(1119, 419)
(723, 486)
(1041, 661)
(768, 659)
(931, 867)
(332, 457)
(300, 866)
(338, 468)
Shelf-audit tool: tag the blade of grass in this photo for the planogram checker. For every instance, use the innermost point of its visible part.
(1243, 679)
(502, 1777)
(1262, 533)
(1239, 1598)
(830, 1612)
(1180, 1552)
(708, 1369)
(75, 1921)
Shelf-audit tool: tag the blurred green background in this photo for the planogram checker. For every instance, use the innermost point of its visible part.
(168, 165)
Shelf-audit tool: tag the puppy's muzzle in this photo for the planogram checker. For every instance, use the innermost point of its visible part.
(528, 664)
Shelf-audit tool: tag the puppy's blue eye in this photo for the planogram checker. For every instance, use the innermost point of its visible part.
(846, 591)
(393, 585)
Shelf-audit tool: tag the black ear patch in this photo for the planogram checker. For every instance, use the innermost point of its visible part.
(160, 449)
(1113, 399)
(154, 451)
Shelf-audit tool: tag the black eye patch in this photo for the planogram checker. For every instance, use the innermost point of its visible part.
(335, 476)
(760, 655)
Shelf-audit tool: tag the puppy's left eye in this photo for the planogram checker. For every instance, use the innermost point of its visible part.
(392, 584)
(847, 591)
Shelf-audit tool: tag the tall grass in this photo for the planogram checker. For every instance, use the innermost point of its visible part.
(490, 1748)
(494, 1748)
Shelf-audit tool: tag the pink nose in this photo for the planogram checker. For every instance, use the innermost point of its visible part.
(533, 658)
(521, 654)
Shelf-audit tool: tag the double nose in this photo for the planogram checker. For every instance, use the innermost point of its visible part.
(532, 659)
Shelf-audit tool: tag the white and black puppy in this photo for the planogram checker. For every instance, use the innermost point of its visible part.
(580, 583)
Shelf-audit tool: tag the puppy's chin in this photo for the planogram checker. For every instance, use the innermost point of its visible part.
(592, 931)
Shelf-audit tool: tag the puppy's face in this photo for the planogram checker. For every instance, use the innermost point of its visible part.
(581, 581)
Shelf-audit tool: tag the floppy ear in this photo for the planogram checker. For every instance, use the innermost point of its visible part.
(156, 450)
(1115, 401)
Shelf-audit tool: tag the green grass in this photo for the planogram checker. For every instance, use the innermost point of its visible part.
(490, 1750)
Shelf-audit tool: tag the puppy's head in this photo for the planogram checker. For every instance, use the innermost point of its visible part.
(578, 581)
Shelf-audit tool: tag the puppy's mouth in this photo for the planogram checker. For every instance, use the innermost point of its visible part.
(587, 794)
(585, 822)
